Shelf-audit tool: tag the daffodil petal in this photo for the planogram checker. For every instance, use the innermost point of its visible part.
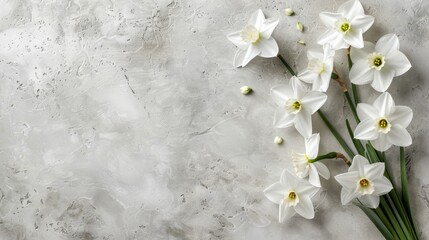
(305, 207)
(399, 136)
(313, 101)
(366, 111)
(257, 19)
(250, 54)
(322, 82)
(358, 165)
(334, 38)
(312, 146)
(370, 201)
(303, 123)
(385, 104)
(363, 22)
(383, 79)
(347, 195)
(322, 170)
(283, 119)
(361, 73)
(307, 76)
(236, 39)
(312, 53)
(268, 27)
(366, 130)
(275, 192)
(281, 93)
(381, 143)
(351, 9)
(298, 87)
(374, 171)
(354, 38)
(329, 19)
(268, 48)
(401, 116)
(305, 188)
(382, 186)
(348, 180)
(285, 212)
(387, 44)
(398, 61)
(357, 54)
(314, 176)
(288, 179)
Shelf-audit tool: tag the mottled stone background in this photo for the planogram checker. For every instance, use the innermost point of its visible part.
(124, 120)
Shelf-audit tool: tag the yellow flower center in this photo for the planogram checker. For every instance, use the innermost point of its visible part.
(296, 105)
(292, 195)
(378, 62)
(383, 123)
(250, 34)
(364, 182)
(345, 27)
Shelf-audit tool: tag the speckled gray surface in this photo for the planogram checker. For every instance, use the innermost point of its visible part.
(124, 120)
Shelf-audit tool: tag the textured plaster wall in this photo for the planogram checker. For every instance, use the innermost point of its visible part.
(124, 120)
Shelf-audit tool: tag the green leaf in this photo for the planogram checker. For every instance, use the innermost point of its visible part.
(404, 183)
(377, 221)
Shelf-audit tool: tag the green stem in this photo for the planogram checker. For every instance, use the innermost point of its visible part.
(331, 155)
(286, 65)
(404, 228)
(352, 106)
(354, 87)
(336, 134)
(386, 208)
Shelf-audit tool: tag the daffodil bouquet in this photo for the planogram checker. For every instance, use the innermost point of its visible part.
(376, 128)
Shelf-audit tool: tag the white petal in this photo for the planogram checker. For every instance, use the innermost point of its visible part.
(305, 207)
(399, 62)
(370, 201)
(257, 19)
(387, 44)
(357, 54)
(313, 101)
(303, 123)
(275, 192)
(312, 146)
(399, 136)
(363, 22)
(354, 38)
(251, 53)
(366, 111)
(282, 119)
(402, 116)
(323, 170)
(383, 79)
(305, 188)
(385, 104)
(281, 93)
(358, 165)
(329, 19)
(351, 9)
(314, 54)
(321, 84)
(285, 212)
(298, 87)
(374, 171)
(334, 38)
(348, 180)
(268, 27)
(366, 130)
(382, 186)
(236, 39)
(361, 73)
(268, 47)
(288, 179)
(307, 76)
(314, 176)
(347, 195)
(381, 143)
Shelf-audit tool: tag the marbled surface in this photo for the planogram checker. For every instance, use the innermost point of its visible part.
(124, 120)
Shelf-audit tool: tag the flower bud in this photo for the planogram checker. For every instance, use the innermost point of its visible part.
(301, 42)
(299, 26)
(289, 12)
(245, 90)
(278, 140)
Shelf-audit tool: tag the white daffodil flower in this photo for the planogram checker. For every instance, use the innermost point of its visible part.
(303, 165)
(296, 105)
(364, 181)
(293, 196)
(384, 123)
(345, 27)
(378, 64)
(319, 69)
(255, 39)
